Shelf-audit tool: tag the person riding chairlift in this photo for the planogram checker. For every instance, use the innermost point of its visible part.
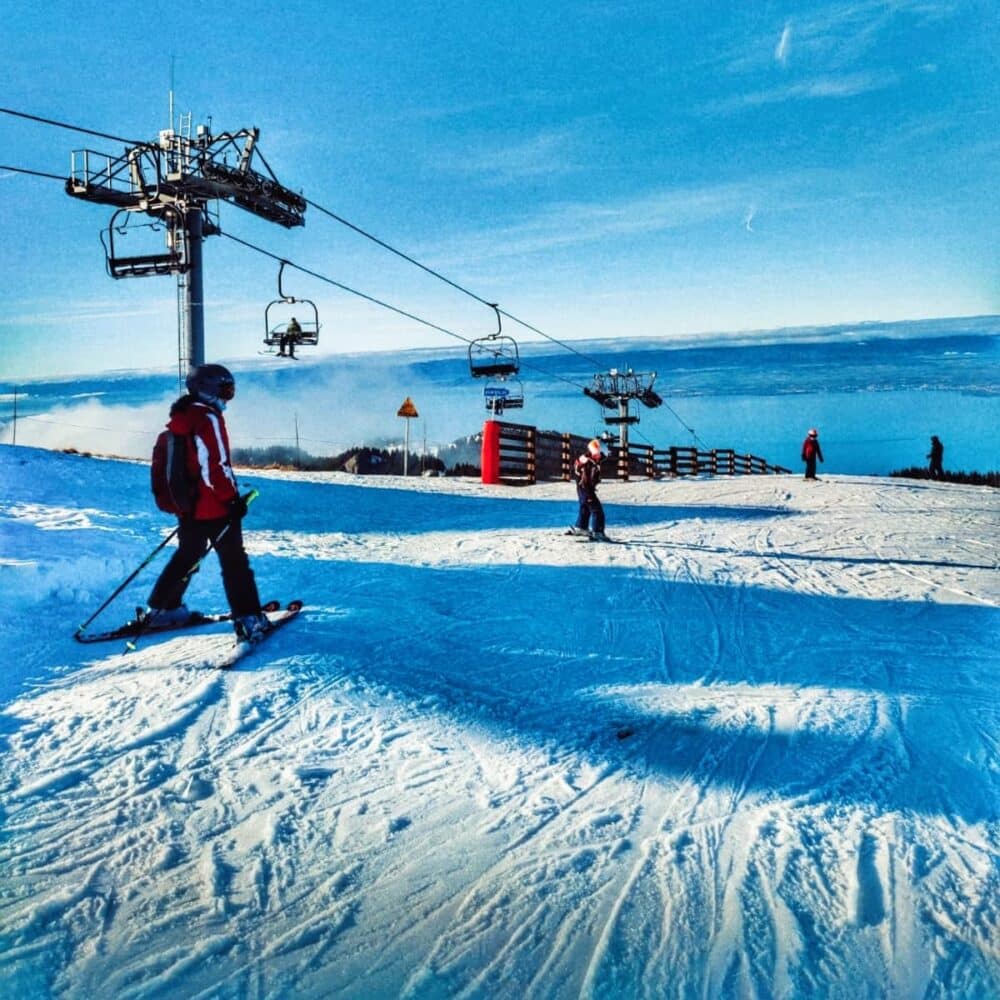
(290, 338)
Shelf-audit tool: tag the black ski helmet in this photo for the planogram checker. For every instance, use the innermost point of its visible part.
(210, 383)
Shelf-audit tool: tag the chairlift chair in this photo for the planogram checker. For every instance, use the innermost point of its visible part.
(276, 323)
(141, 265)
(500, 397)
(495, 356)
(274, 331)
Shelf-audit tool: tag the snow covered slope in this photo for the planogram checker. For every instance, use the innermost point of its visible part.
(752, 752)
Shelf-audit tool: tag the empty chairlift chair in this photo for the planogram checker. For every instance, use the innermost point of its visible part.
(166, 255)
(495, 356)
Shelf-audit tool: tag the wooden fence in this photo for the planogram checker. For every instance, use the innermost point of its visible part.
(528, 455)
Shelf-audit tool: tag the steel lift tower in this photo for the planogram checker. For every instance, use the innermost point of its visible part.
(172, 181)
(615, 390)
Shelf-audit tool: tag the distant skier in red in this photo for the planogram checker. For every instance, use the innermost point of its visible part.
(810, 452)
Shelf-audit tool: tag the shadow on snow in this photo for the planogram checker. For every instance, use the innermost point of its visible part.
(834, 699)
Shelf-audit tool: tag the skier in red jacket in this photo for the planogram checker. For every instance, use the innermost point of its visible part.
(218, 509)
(810, 452)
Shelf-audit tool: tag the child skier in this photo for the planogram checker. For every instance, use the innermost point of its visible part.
(810, 452)
(587, 473)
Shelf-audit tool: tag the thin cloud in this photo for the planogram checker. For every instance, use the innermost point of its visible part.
(582, 223)
(579, 223)
(89, 312)
(544, 154)
(835, 36)
(818, 88)
(464, 109)
(784, 46)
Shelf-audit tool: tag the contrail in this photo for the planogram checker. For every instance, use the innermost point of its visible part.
(784, 44)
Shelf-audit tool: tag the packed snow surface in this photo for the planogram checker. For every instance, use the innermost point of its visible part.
(751, 751)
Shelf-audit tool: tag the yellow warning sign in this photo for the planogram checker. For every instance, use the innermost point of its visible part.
(407, 409)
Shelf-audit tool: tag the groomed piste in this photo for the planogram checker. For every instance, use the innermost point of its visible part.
(751, 752)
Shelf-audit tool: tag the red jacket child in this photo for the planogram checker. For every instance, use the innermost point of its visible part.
(810, 452)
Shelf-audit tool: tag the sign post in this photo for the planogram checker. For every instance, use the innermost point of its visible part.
(407, 411)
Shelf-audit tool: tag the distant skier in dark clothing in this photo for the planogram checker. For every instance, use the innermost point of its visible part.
(290, 338)
(936, 456)
(810, 452)
(587, 473)
(217, 511)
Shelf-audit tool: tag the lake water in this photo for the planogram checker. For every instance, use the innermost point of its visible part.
(876, 400)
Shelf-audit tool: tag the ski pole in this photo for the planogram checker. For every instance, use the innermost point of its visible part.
(126, 582)
(130, 646)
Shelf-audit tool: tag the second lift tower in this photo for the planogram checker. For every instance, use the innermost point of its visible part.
(615, 390)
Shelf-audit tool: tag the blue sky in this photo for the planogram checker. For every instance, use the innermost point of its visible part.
(599, 169)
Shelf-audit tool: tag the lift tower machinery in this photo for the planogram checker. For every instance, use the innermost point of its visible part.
(616, 390)
(172, 181)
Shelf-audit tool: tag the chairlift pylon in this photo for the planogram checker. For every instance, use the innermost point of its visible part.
(494, 356)
(276, 329)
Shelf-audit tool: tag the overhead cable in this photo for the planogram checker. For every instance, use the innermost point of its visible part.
(384, 305)
(346, 288)
(446, 280)
(72, 128)
(33, 173)
(361, 232)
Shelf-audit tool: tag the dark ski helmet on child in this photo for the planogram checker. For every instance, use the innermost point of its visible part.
(211, 383)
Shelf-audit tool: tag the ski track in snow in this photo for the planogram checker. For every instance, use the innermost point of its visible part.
(751, 753)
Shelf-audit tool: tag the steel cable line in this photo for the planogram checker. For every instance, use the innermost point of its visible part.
(33, 173)
(684, 424)
(361, 232)
(448, 281)
(386, 305)
(342, 221)
(331, 281)
(71, 128)
(492, 305)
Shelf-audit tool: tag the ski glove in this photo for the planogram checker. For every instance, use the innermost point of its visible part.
(238, 508)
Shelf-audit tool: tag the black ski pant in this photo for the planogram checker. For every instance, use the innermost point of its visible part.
(590, 510)
(193, 540)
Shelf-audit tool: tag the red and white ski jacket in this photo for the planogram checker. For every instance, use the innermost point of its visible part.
(208, 457)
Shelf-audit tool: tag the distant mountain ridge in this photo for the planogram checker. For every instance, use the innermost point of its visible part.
(979, 326)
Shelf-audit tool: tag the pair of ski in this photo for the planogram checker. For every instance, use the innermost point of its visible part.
(579, 535)
(277, 616)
